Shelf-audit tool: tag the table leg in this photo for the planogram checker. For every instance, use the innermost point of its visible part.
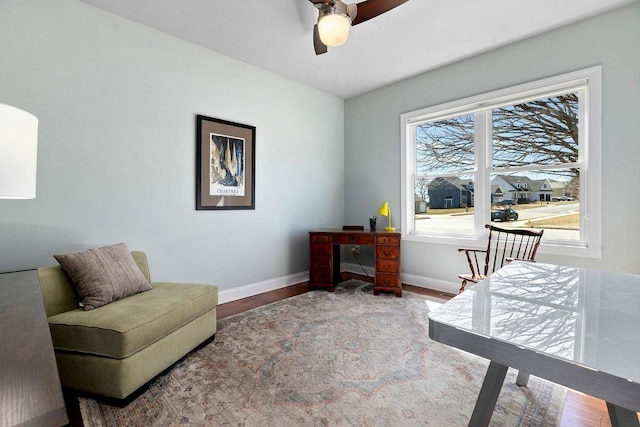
(622, 417)
(523, 379)
(488, 396)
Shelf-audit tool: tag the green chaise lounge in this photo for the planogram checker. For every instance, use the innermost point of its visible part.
(117, 348)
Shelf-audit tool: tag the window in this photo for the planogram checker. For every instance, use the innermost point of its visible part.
(534, 148)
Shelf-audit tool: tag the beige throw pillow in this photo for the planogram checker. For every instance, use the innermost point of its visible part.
(103, 275)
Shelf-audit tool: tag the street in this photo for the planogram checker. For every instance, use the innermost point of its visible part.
(463, 223)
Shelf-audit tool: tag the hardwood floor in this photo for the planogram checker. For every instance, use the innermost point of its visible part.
(238, 306)
(580, 410)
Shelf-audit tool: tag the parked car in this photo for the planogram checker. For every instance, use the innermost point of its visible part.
(504, 214)
(564, 199)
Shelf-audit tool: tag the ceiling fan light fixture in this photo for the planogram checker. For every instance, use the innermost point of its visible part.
(334, 29)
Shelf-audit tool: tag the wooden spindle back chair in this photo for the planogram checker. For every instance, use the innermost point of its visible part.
(504, 246)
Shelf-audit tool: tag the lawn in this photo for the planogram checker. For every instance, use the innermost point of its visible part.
(564, 221)
(570, 221)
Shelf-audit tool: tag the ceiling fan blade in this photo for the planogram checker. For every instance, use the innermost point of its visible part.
(317, 43)
(371, 8)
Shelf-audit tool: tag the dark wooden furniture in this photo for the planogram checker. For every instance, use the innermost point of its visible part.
(30, 392)
(504, 245)
(353, 227)
(324, 254)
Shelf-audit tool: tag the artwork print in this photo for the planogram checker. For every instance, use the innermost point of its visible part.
(226, 163)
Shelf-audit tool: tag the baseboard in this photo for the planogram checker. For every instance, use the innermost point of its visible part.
(253, 289)
(409, 279)
(246, 291)
(430, 283)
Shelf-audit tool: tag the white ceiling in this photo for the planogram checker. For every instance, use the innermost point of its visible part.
(420, 35)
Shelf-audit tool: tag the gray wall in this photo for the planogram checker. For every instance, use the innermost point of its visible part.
(372, 134)
(116, 103)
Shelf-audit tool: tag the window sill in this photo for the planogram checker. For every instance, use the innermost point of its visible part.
(553, 247)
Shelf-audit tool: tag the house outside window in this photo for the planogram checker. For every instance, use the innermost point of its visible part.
(534, 147)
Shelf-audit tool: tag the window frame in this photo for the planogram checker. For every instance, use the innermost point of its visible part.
(589, 81)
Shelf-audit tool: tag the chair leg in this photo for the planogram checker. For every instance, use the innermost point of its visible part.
(462, 286)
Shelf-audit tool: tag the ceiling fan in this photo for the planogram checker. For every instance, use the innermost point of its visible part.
(336, 17)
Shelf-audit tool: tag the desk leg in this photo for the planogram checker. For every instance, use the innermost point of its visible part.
(523, 379)
(622, 417)
(488, 396)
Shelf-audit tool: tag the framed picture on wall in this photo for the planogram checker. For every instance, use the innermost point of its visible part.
(225, 164)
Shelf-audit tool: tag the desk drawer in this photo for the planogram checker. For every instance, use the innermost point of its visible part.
(388, 240)
(353, 239)
(320, 263)
(321, 249)
(387, 280)
(387, 266)
(320, 238)
(390, 252)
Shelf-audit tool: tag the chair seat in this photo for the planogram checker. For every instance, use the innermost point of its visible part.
(504, 245)
(475, 278)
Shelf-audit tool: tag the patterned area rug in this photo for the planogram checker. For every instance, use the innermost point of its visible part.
(329, 359)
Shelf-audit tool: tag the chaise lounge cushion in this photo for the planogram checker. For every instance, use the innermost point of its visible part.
(115, 349)
(103, 275)
(124, 327)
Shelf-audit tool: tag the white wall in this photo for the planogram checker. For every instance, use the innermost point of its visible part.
(116, 103)
(372, 134)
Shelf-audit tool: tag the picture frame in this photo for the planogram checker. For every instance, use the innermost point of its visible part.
(225, 164)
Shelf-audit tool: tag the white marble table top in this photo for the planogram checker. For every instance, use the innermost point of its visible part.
(587, 317)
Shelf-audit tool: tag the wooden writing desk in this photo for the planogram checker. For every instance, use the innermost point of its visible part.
(324, 254)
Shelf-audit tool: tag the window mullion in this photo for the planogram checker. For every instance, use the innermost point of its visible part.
(583, 154)
(482, 141)
(462, 147)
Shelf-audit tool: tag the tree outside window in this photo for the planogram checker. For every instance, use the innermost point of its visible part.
(527, 150)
